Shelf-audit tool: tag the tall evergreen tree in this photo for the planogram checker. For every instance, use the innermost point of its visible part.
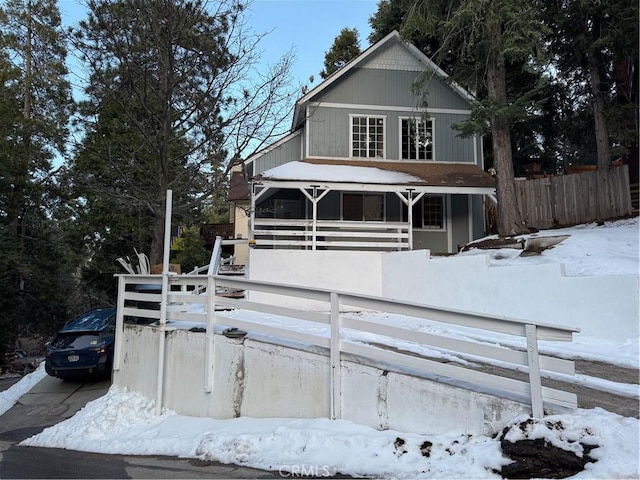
(595, 50)
(346, 46)
(35, 104)
(174, 100)
(533, 134)
(485, 37)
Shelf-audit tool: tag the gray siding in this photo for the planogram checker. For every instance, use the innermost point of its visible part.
(435, 241)
(449, 146)
(289, 151)
(457, 226)
(367, 86)
(330, 135)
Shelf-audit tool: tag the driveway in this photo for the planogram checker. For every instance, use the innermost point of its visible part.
(52, 401)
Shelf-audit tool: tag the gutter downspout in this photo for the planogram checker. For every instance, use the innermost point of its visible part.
(163, 302)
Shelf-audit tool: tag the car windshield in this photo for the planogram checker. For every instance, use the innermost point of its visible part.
(77, 340)
(93, 320)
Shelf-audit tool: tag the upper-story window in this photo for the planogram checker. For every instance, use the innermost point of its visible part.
(416, 139)
(367, 137)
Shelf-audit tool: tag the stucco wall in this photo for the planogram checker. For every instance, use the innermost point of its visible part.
(257, 379)
(346, 271)
(604, 307)
(601, 306)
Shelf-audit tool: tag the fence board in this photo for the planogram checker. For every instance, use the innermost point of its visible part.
(565, 200)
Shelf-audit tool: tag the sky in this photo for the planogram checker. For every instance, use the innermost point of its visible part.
(123, 422)
(306, 26)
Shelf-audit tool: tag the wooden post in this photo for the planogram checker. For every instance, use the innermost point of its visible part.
(534, 371)
(336, 377)
(209, 336)
(117, 348)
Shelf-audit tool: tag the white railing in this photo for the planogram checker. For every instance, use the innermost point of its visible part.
(328, 234)
(184, 305)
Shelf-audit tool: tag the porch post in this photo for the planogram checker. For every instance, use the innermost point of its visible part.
(314, 199)
(314, 210)
(252, 211)
(410, 217)
(410, 201)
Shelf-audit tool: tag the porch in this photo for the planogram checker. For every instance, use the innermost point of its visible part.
(386, 207)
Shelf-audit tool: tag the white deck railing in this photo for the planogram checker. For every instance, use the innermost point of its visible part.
(327, 234)
(181, 302)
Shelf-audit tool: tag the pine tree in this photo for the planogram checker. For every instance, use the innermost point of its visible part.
(35, 105)
(174, 101)
(346, 46)
(485, 37)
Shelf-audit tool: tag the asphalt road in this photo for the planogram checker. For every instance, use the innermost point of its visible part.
(52, 401)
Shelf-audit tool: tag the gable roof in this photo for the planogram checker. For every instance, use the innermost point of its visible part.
(394, 36)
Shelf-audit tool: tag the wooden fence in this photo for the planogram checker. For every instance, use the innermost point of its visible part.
(565, 200)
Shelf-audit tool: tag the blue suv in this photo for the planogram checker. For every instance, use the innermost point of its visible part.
(84, 346)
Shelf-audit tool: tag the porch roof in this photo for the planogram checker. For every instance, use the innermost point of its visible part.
(380, 176)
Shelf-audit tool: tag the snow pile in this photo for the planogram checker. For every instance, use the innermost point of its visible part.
(124, 423)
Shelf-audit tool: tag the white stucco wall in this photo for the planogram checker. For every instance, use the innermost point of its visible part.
(257, 379)
(601, 306)
(605, 307)
(355, 272)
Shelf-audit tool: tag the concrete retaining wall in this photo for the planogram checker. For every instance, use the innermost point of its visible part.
(259, 379)
(606, 307)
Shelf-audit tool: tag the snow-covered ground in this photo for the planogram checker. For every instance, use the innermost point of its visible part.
(125, 422)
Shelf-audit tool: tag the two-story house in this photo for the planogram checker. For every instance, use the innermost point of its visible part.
(366, 166)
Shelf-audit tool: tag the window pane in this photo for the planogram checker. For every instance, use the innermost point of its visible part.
(433, 212)
(367, 137)
(360, 207)
(373, 208)
(417, 139)
(352, 206)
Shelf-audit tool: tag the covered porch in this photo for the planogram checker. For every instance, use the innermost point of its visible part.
(320, 206)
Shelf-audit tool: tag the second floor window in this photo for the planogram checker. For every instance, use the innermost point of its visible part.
(367, 137)
(416, 139)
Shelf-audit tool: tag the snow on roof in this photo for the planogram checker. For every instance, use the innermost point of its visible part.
(336, 173)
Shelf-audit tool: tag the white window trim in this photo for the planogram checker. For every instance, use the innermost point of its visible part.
(433, 138)
(446, 206)
(384, 135)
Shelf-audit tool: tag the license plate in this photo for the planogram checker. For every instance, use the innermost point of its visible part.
(73, 358)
